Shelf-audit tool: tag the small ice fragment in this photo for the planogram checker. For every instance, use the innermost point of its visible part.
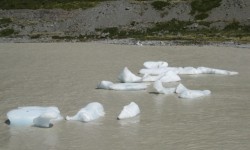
(90, 112)
(104, 85)
(155, 64)
(183, 92)
(129, 111)
(170, 76)
(126, 76)
(206, 70)
(129, 86)
(162, 90)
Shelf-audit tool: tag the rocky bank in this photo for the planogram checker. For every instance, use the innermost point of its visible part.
(43, 24)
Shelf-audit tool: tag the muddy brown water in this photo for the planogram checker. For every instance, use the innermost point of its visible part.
(66, 74)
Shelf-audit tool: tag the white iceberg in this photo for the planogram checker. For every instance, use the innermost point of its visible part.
(129, 86)
(104, 85)
(155, 64)
(186, 71)
(122, 86)
(34, 115)
(157, 71)
(90, 112)
(158, 87)
(176, 70)
(183, 92)
(126, 76)
(169, 76)
(151, 78)
(206, 70)
(180, 88)
(129, 111)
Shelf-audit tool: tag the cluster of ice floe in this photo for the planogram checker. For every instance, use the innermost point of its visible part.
(45, 117)
(157, 72)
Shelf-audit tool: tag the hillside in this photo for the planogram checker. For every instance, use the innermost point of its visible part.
(192, 20)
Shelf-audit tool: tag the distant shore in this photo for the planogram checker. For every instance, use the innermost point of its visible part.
(225, 22)
(132, 42)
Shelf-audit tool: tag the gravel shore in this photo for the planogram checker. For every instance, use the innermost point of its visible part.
(42, 25)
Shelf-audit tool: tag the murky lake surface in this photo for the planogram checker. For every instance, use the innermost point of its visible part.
(66, 74)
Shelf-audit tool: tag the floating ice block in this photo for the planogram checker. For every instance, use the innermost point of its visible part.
(122, 86)
(180, 88)
(156, 71)
(90, 112)
(129, 86)
(206, 70)
(183, 92)
(151, 78)
(162, 90)
(126, 76)
(34, 115)
(129, 111)
(186, 71)
(194, 93)
(105, 85)
(155, 64)
(169, 76)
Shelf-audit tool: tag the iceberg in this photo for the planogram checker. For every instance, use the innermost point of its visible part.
(206, 70)
(151, 78)
(126, 76)
(129, 86)
(129, 111)
(104, 85)
(183, 92)
(89, 113)
(169, 76)
(34, 116)
(155, 64)
(157, 71)
(159, 89)
(122, 86)
(186, 71)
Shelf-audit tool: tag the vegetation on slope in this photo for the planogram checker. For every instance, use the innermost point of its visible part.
(201, 7)
(160, 5)
(172, 30)
(6, 32)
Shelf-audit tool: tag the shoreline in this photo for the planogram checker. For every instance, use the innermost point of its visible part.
(131, 41)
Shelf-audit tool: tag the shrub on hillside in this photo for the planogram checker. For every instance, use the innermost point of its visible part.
(159, 5)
